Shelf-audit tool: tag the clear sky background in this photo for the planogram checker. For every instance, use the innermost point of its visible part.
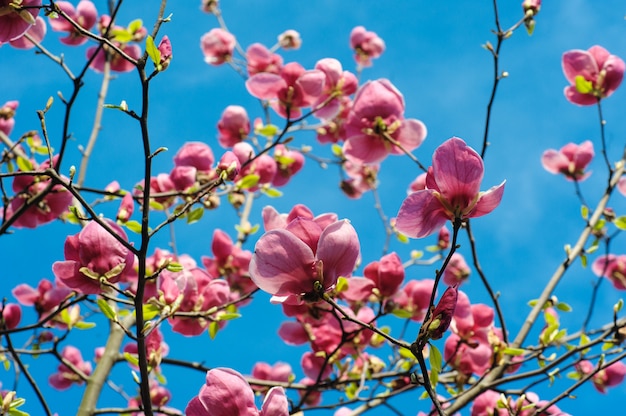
(434, 57)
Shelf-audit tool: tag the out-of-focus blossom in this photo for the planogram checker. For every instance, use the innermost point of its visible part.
(452, 192)
(612, 267)
(280, 372)
(418, 184)
(93, 255)
(65, 376)
(7, 116)
(260, 59)
(85, 15)
(533, 5)
(443, 240)
(227, 393)
(127, 206)
(165, 47)
(289, 39)
(414, 297)
(292, 260)
(233, 126)
(196, 154)
(361, 178)
(334, 130)
(288, 163)
(16, 18)
(217, 46)
(593, 74)
(11, 315)
(37, 32)
(571, 160)
(457, 271)
(49, 208)
(338, 83)
(209, 6)
(46, 298)
(367, 45)
(289, 91)
(376, 125)
(607, 377)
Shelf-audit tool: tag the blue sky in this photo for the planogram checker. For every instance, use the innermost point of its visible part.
(434, 57)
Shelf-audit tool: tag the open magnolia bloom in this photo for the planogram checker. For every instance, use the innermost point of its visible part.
(452, 191)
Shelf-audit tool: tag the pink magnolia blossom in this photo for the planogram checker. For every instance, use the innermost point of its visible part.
(593, 74)
(37, 32)
(571, 160)
(290, 39)
(612, 267)
(196, 154)
(533, 5)
(65, 377)
(49, 208)
(610, 376)
(159, 396)
(280, 372)
(7, 116)
(418, 184)
(165, 47)
(217, 46)
(272, 219)
(316, 366)
(289, 91)
(15, 20)
(387, 274)
(10, 315)
(260, 59)
(291, 260)
(339, 83)
(361, 178)
(441, 316)
(156, 348)
(127, 206)
(367, 45)
(334, 130)
(46, 298)
(228, 166)
(452, 192)
(233, 126)
(457, 271)
(376, 124)
(93, 255)
(118, 62)
(85, 15)
(443, 239)
(414, 298)
(227, 393)
(288, 163)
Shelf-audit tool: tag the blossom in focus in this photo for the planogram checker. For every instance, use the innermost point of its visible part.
(367, 45)
(290, 39)
(593, 74)
(227, 393)
(37, 32)
(291, 260)
(289, 91)
(452, 192)
(217, 46)
(612, 267)
(233, 126)
(65, 376)
(93, 255)
(376, 124)
(441, 317)
(85, 15)
(16, 18)
(386, 274)
(571, 160)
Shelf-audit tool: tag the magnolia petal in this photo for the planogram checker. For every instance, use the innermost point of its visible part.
(280, 263)
(227, 393)
(306, 230)
(614, 67)
(458, 170)
(265, 85)
(421, 214)
(487, 201)
(338, 249)
(579, 62)
(574, 97)
(410, 135)
(275, 403)
(361, 149)
(553, 161)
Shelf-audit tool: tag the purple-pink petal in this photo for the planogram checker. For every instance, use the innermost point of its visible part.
(275, 403)
(226, 393)
(421, 214)
(458, 170)
(411, 134)
(338, 249)
(487, 201)
(265, 85)
(362, 149)
(579, 62)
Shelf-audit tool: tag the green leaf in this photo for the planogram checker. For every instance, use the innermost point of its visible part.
(269, 130)
(150, 311)
(248, 181)
(84, 325)
(402, 313)
(406, 353)
(514, 351)
(213, 328)
(174, 267)
(337, 150)
(607, 346)
(620, 222)
(135, 25)
(16, 412)
(133, 226)
(584, 211)
(564, 307)
(121, 35)
(272, 192)
(228, 316)
(25, 165)
(618, 306)
(157, 206)
(132, 359)
(107, 310)
(153, 52)
(582, 85)
(435, 358)
(195, 215)
(402, 238)
(584, 340)
(342, 284)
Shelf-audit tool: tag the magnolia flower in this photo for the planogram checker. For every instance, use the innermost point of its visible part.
(571, 160)
(65, 376)
(376, 124)
(289, 39)
(195, 154)
(85, 15)
(367, 45)
(607, 377)
(440, 319)
(93, 255)
(7, 116)
(233, 126)
(37, 32)
(612, 267)
(291, 261)
(387, 274)
(457, 271)
(16, 18)
(261, 59)
(217, 46)
(227, 393)
(10, 315)
(452, 192)
(593, 74)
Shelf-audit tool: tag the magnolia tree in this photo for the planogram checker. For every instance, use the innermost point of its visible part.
(126, 322)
